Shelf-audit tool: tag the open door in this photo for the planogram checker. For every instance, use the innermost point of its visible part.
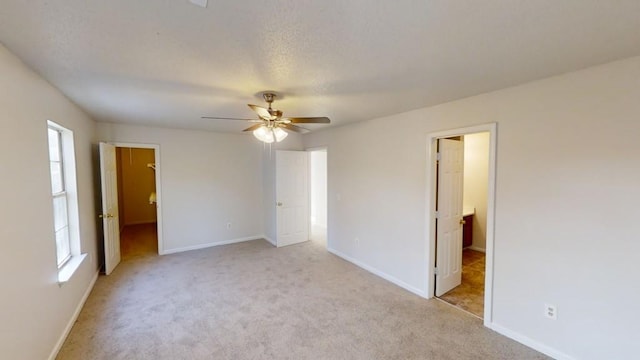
(449, 218)
(109, 186)
(292, 197)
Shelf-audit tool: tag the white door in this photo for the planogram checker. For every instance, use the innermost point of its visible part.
(292, 197)
(449, 216)
(109, 184)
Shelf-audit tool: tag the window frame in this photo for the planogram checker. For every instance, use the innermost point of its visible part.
(66, 154)
(60, 194)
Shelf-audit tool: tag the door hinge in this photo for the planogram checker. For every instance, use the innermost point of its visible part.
(437, 214)
(435, 271)
(438, 156)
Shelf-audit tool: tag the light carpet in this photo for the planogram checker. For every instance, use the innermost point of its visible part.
(253, 301)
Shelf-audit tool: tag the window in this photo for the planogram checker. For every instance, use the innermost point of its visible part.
(59, 194)
(64, 200)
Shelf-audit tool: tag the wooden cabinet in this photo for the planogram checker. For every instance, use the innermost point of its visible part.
(467, 231)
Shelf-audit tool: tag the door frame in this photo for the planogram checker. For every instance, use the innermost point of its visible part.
(431, 194)
(158, 170)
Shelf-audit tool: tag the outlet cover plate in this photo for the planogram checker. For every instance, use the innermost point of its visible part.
(551, 311)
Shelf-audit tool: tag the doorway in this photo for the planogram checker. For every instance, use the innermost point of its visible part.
(137, 201)
(467, 291)
(461, 188)
(318, 196)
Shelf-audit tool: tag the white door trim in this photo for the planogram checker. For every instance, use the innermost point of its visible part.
(158, 171)
(430, 235)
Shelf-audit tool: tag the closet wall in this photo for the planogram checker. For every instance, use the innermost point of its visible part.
(136, 182)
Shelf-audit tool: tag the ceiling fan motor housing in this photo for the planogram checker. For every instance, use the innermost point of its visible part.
(269, 97)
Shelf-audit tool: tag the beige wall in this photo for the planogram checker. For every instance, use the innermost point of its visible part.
(207, 180)
(476, 181)
(567, 198)
(318, 188)
(137, 182)
(34, 309)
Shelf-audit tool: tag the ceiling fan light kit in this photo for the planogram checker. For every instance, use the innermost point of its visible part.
(271, 125)
(269, 134)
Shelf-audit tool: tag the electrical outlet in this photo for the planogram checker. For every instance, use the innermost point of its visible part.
(551, 311)
(228, 225)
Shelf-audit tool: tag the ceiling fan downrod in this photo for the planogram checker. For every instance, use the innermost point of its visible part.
(269, 98)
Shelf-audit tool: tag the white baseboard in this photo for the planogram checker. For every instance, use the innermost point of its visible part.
(269, 240)
(549, 351)
(476, 249)
(74, 317)
(379, 273)
(208, 245)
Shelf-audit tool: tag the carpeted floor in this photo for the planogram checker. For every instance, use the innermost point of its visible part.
(253, 301)
(469, 295)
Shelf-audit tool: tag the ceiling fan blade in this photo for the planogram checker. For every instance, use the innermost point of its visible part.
(253, 127)
(308, 120)
(223, 118)
(262, 112)
(295, 128)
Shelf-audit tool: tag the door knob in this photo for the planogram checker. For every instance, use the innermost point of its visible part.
(105, 216)
(462, 222)
(279, 203)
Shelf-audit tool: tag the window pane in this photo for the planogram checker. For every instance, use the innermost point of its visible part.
(60, 212)
(62, 245)
(54, 145)
(56, 177)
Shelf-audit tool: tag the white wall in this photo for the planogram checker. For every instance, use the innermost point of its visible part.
(476, 182)
(207, 180)
(318, 188)
(318, 195)
(33, 308)
(568, 180)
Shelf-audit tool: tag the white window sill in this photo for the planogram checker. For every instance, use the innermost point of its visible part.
(66, 272)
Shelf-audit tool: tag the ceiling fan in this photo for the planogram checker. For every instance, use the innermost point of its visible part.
(270, 125)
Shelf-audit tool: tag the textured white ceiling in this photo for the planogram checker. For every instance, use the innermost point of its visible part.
(168, 62)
